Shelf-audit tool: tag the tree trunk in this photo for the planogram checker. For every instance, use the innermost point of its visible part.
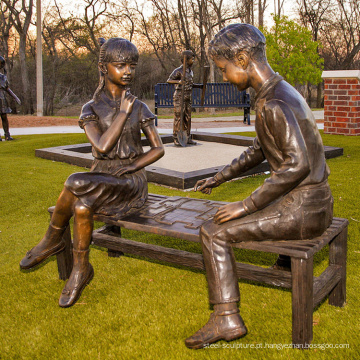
(261, 5)
(249, 9)
(27, 97)
(309, 93)
(319, 96)
(49, 99)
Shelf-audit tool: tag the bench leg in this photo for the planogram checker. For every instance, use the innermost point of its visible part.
(337, 256)
(246, 115)
(113, 253)
(65, 258)
(115, 231)
(302, 301)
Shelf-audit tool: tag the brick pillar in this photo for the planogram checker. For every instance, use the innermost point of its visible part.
(342, 102)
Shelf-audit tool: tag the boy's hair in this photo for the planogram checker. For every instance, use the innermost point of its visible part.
(235, 38)
(2, 62)
(188, 53)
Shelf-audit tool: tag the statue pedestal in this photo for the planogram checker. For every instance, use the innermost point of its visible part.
(342, 102)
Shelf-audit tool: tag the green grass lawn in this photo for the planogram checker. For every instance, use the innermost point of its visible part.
(137, 309)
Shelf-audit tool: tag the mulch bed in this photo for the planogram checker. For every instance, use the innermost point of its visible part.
(17, 121)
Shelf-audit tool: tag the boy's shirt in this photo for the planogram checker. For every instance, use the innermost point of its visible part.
(287, 137)
(189, 76)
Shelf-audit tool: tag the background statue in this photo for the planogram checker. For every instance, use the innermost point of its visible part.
(116, 183)
(182, 77)
(4, 107)
(295, 202)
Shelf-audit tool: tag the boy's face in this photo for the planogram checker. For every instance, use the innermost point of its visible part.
(190, 61)
(233, 72)
(120, 73)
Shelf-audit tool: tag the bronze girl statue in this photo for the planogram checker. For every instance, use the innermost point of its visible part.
(4, 107)
(116, 183)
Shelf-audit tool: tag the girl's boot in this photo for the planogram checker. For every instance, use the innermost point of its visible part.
(82, 273)
(51, 244)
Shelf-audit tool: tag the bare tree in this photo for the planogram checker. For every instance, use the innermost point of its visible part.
(21, 18)
(184, 24)
(245, 10)
(5, 31)
(161, 31)
(261, 11)
(122, 17)
(313, 14)
(338, 31)
(212, 16)
(350, 24)
(52, 34)
(335, 23)
(278, 7)
(8, 41)
(84, 29)
(5, 27)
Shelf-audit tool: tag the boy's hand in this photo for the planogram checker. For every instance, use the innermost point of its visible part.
(206, 185)
(229, 212)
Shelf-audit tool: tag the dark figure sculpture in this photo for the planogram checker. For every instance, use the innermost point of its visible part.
(295, 202)
(116, 183)
(182, 77)
(4, 107)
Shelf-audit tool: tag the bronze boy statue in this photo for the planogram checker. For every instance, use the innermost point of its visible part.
(182, 97)
(116, 183)
(295, 202)
(4, 107)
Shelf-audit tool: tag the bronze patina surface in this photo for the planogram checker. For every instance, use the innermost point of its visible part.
(183, 77)
(4, 106)
(294, 203)
(113, 121)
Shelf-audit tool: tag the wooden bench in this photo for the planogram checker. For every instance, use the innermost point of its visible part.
(217, 95)
(181, 217)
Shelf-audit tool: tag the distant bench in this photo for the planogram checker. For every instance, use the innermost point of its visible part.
(217, 95)
(182, 217)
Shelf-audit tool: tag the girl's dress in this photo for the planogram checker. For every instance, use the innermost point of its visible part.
(4, 107)
(98, 189)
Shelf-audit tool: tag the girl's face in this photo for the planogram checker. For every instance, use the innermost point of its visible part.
(120, 72)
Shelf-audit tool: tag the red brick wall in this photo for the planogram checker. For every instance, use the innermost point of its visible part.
(342, 106)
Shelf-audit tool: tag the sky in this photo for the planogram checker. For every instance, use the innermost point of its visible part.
(289, 7)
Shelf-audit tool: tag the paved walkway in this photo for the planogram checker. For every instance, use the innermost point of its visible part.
(212, 125)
